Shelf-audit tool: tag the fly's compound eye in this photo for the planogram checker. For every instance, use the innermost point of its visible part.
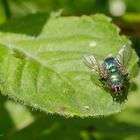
(122, 86)
(112, 88)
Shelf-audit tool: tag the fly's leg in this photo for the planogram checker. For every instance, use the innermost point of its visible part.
(125, 95)
(114, 98)
(102, 80)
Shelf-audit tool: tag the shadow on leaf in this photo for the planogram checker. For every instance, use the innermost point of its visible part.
(31, 24)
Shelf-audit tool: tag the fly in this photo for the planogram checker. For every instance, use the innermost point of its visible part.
(113, 72)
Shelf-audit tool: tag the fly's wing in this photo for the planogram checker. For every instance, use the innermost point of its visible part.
(91, 62)
(124, 55)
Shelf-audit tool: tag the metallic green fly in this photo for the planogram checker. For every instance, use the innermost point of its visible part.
(113, 72)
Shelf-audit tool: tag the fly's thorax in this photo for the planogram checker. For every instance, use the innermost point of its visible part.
(113, 70)
(109, 63)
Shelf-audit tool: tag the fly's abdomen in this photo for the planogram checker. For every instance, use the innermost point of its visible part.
(115, 78)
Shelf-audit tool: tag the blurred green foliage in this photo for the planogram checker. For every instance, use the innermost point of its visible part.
(69, 7)
(29, 124)
(128, 11)
(2, 13)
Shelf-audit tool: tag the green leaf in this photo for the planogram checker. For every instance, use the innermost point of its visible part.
(135, 70)
(47, 72)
